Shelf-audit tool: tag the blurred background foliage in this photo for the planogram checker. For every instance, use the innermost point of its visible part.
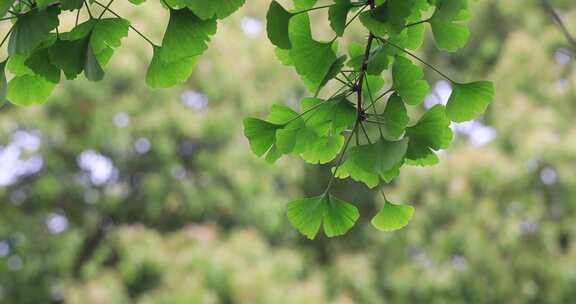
(113, 193)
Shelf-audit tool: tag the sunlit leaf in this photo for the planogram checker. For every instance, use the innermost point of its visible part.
(468, 100)
(393, 216)
(186, 35)
(408, 81)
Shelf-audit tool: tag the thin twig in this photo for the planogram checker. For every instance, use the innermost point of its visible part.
(548, 7)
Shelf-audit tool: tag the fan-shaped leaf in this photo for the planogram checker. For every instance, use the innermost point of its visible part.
(308, 214)
(393, 217)
(469, 100)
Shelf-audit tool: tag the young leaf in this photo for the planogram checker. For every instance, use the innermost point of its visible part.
(165, 74)
(448, 33)
(312, 59)
(27, 90)
(431, 133)
(395, 117)
(469, 100)
(407, 81)
(31, 29)
(308, 214)
(337, 15)
(214, 8)
(186, 35)
(261, 134)
(277, 22)
(389, 17)
(380, 157)
(393, 217)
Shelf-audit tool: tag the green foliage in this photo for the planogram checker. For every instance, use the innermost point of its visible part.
(318, 134)
(89, 45)
(323, 130)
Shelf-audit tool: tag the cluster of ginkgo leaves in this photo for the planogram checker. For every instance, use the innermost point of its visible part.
(368, 140)
(40, 53)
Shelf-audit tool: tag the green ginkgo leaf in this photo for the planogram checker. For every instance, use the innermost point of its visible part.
(335, 215)
(70, 55)
(337, 15)
(390, 17)
(165, 74)
(431, 133)
(71, 5)
(186, 35)
(277, 22)
(449, 33)
(31, 29)
(381, 156)
(394, 118)
(209, 9)
(312, 59)
(351, 169)
(468, 100)
(261, 134)
(408, 81)
(393, 217)
(39, 64)
(449, 36)
(27, 90)
(5, 6)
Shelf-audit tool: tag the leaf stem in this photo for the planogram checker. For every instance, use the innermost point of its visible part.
(6, 37)
(88, 8)
(418, 22)
(373, 107)
(348, 140)
(8, 18)
(310, 9)
(130, 25)
(417, 58)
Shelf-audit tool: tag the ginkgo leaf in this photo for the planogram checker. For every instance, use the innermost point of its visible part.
(378, 60)
(70, 55)
(214, 8)
(164, 74)
(277, 22)
(104, 36)
(5, 6)
(408, 81)
(394, 118)
(31, 29)
(390, 17)
(351, 169)
(337, 15)
(323, 149)
(71, 5)
(393, 217)
(449, 34)
(367, 163)
(27, 90)
(92, 69)
(328, 117)
(312, 59)
(469, 100)
(39, 64)
(335, 215)
(186, 35)
(261, 134)
(431, 133)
